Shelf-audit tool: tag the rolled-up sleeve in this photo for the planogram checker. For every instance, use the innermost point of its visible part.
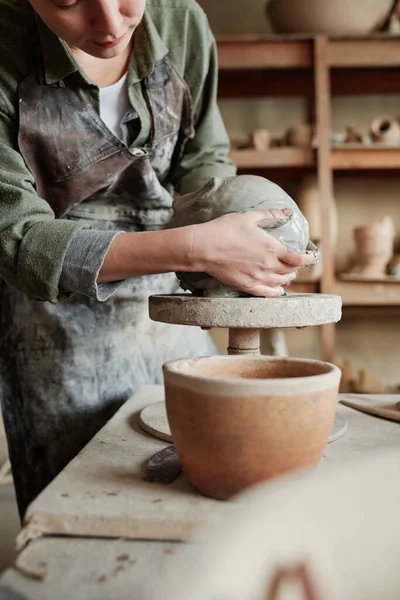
(82, 264)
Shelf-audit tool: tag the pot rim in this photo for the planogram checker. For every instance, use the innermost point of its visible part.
(284, 386)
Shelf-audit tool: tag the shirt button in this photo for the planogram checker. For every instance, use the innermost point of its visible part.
(138, 152)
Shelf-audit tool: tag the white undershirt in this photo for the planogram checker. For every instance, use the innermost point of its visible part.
(114, 104)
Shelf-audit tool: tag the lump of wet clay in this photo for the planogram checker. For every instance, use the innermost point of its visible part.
(236, 195)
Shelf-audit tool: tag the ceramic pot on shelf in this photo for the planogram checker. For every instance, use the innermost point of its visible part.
(386, 130)
(260, 140)
(374, 249)
(353, 136)
(342, 17)
(300, 136)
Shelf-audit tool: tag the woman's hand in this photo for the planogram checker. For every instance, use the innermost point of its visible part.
(235, 250)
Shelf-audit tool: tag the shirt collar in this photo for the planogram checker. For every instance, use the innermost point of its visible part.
(148, 49)
(57, 58)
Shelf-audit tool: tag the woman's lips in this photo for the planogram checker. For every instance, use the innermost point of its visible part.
(110, 44)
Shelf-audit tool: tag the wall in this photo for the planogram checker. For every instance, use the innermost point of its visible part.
(370, 341)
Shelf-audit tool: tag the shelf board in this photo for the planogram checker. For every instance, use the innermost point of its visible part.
(367, 293)
(282, 52)
(383, 51)
(356, 156)
(273, 158)
(349, 157)
(243, 52)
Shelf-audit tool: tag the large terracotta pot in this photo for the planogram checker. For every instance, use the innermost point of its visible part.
(238, 420)
(342, 17)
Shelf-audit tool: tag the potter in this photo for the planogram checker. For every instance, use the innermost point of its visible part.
(237, 195)
(107, 109)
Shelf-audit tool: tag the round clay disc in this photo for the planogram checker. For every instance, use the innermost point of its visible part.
(153, 420)
(339, 428)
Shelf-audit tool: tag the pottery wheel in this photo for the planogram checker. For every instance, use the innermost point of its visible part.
(246, 317)
(153, 420)
(292, 310)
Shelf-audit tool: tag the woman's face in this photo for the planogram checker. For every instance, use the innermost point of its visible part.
(101, 28)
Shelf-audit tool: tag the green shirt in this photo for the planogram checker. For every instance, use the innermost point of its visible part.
(33, 244)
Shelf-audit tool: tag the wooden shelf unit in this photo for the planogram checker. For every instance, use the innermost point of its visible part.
(317, 68)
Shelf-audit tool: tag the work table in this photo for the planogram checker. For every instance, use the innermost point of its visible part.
(72, 538)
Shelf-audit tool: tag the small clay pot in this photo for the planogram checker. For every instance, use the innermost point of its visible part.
(386, 130)
(300, 136)
(260, 139)
(239, 420)
(353, 136)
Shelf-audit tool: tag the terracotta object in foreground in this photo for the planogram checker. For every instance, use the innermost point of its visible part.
(239, 420)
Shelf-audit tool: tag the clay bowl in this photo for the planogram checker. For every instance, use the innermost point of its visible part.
(342, 17)
(239, 420)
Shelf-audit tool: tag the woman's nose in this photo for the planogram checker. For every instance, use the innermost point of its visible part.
(107, 18)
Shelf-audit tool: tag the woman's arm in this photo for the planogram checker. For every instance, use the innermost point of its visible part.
(231, 248)
(206, 155)
(33, 244)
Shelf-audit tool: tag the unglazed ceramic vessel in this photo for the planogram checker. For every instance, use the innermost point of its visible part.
(342, 17)
(238, 420)
(374, 248)
(260, 139)
(386, 130)
(300, 136)
(237, 195)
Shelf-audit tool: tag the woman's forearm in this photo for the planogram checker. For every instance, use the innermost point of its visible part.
(232, 248)
(149, 252)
